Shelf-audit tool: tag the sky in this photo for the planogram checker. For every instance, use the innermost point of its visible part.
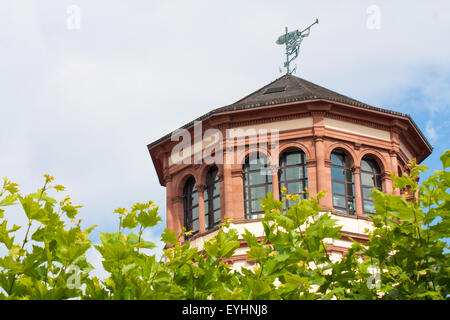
(86, 85)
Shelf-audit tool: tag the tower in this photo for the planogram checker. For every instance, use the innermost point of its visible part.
(290, 133)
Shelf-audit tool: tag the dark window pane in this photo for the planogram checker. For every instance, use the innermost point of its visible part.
(337, 174)
(350, 189)
(216, 203)
(217, 216)
(338, 188)
(368, 206)
(340, 210)
(367, 179)
(337, 159)
(195, 225)
(294, 173)
(351, 205)
(339, 201)
(257, 178)
(366, 192)
(282, 174)
(256, 184)
(190, 203)
(378, 180)
(194, 199)
(349, 175)
(195, 213)
(257, 192)
(365, 165)
(293, 187)
(256, 205)
(216, 189)
(293, 158)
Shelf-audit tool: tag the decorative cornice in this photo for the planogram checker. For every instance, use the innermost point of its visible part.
(356, 169)
(358, 121)
(201, 187)
(319, 113)
(270, 119)
(311, 163)
(177, 199)
(318, 138)
(386, 176)
(274, 168)
(237, 173)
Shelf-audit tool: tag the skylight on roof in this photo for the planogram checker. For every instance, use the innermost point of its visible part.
(275, 90)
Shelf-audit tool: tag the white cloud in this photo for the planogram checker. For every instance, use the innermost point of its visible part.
(431, 132)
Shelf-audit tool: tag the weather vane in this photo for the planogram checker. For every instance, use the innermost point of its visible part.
(292, 41)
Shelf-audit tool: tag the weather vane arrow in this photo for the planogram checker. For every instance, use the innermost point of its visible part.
(292, 41)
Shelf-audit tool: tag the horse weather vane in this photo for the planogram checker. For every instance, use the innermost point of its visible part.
(292, 41)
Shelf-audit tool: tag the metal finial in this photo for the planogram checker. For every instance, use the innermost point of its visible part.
(292, 41)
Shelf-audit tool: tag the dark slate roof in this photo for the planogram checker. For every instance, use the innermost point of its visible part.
(285, 89)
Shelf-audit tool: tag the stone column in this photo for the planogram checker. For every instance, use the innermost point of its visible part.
(275, 182)
(320, 169)
(387, 183)
(327, 201)
(236, 193)
(358, 195)
(169, 203)
(394, 169)
(201, 208)
(321, 176)
(223, 206)
(312, 174)
(178, 214)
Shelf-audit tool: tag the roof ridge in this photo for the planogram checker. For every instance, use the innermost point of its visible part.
(267, 85)
(298, 79)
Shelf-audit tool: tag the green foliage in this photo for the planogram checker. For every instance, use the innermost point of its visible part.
(44, 269)
(406, 256)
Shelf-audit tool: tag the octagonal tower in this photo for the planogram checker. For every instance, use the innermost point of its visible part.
(290, 133)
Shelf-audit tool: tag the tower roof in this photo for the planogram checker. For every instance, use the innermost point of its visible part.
(288, 89)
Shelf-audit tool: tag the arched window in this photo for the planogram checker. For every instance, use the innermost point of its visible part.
(342, 183)
(370, 178)
(212, 199)
(191, 206)
(292, 173)
(257, 182)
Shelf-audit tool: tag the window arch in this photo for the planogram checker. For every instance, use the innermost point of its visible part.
(212, 199)
(342, 183)
(370, 178)
(292, 173)
(191, 206)
(257, 182)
